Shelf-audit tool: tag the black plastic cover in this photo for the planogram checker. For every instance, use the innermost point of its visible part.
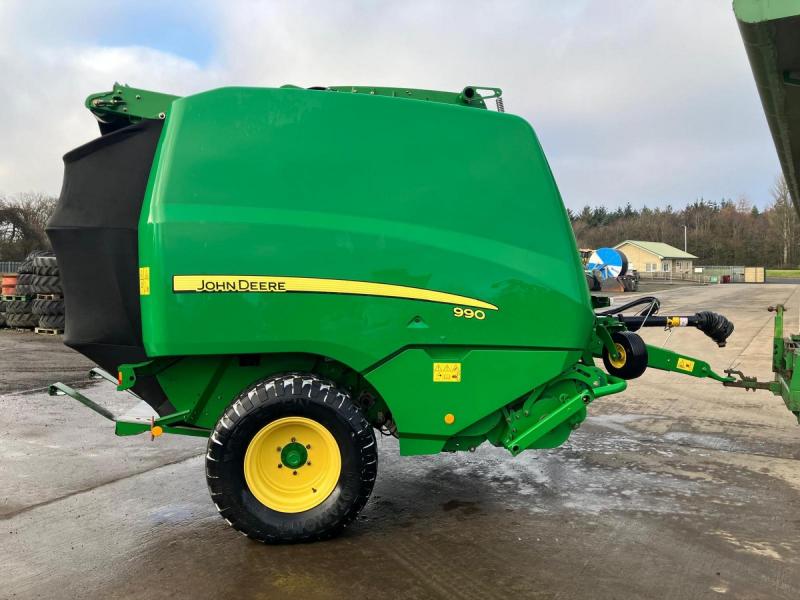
(94, 232)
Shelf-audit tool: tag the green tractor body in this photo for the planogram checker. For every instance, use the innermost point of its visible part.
(285, 270)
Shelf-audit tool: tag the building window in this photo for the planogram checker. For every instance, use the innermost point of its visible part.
(678, 265)
(665, 266)
(650, 267)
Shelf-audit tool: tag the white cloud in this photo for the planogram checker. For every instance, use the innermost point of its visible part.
(647, 102)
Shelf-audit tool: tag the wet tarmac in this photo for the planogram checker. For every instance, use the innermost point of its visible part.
(674, 489)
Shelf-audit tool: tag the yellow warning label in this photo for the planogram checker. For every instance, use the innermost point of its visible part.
(684, 364)
(447, 372)
(144, 281)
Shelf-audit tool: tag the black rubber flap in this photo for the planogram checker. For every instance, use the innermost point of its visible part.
(94, 232)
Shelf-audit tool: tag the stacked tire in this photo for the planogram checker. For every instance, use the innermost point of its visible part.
(48, 306)
(19, 314)
(19, 304)
(25, 276)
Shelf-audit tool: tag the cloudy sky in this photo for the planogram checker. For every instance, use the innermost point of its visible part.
(639, 101)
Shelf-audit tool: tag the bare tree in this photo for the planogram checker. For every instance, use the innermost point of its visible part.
(22, 221)
(784, 218)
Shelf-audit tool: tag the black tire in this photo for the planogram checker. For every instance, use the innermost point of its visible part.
(292, 395)
(25, 320)
(46, 284)
(634, 355)
(18, 307)
(45, 260)
(27, 265)
(24, 281)
(47, 307)
(47, 271)
(51, 322)
(2, 319)
(2, 306)
(593, 281)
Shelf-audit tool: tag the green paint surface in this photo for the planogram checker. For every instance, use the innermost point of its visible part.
(757, 11)
(373, 188)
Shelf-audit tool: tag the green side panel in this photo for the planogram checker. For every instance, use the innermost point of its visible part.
(206, 385)
(771, 33)
(304, 183)
(490, 379)
(757, 11)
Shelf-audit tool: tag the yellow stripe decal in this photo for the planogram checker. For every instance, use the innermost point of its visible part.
(268, 284)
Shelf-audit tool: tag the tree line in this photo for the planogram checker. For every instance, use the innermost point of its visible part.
(22, 221)
(720, 233)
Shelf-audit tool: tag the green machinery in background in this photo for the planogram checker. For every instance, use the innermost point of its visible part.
(770, 30)
(286, 270)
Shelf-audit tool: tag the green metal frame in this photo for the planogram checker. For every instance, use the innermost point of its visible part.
(130, 103)
(785, 366)
(122, 426)
(135, 104)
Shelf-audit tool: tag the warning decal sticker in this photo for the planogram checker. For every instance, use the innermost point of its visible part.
(447, 372)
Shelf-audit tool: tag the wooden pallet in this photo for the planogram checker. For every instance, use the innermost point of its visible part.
(49, 297)
(47, 331)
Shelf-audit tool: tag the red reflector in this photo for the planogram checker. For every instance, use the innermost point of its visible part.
(119, 377)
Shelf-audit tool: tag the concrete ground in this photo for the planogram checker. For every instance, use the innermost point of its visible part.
(675, 489)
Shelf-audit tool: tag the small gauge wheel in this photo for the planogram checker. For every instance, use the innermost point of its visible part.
(632, 360)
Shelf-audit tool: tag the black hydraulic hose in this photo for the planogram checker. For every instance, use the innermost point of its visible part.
(714, 325)
(651, 300)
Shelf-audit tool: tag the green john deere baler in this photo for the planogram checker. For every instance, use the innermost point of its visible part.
(285, 271)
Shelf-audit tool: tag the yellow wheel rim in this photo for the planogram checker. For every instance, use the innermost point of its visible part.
(620, 362)
(292, 464)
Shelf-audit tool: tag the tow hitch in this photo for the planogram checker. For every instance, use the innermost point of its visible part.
(785, 365)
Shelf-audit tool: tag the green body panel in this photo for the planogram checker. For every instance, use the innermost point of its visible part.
(367, 188)
(313, 184)
(490, 379)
